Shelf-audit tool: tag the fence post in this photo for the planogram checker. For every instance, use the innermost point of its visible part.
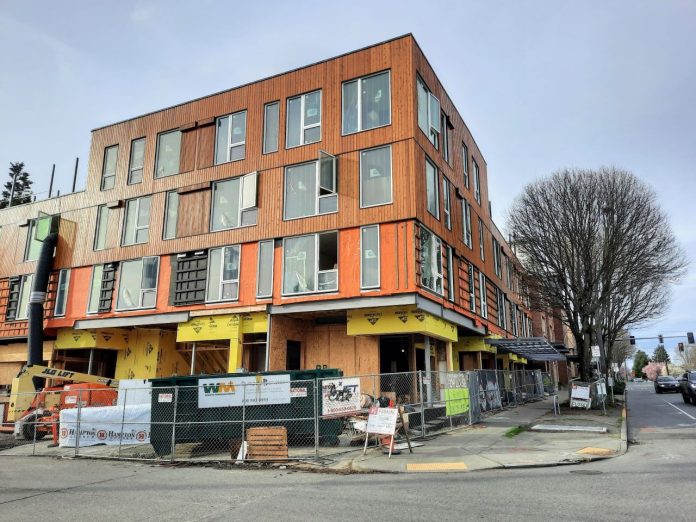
(77, 429)
(36, 418)
(244, 453)
(123, 418)
(176, 406)
(317, 388)
(422, 402)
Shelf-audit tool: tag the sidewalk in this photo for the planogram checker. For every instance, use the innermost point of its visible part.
(491, 444)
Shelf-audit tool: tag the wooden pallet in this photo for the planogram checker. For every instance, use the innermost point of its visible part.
(267, 443)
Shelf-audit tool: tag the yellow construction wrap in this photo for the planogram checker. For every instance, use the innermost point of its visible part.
(109, 338)
(397, 320)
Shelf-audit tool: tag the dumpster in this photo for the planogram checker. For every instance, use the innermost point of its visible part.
(180, 398)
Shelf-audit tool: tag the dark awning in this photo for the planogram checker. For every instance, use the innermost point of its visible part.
(531, 348)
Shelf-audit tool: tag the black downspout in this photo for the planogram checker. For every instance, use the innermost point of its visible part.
(36, 303)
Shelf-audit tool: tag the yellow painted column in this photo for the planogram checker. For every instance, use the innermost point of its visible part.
(449, 354)
(236, 349)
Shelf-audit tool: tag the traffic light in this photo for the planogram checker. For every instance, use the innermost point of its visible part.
(681, 347)
(632, 340)
(690, 337)
(661, 339)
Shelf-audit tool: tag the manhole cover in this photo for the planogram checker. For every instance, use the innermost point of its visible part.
(586, 472)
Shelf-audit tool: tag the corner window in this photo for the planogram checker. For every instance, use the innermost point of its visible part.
(369, 257)
(431, 189)
(375, 177)
(451, 281)
(466, 219)
(264, 276)
(171, 214)
(234, 203)
(446, 203)
(61, 292)
(271, 117)
(136, 226)
(137, 161)
(311, 188)
(168, 154)
(366, 103)
(477, 183)
(472, 289)
(481, 244)
(431, 261)
(108, 180)
(101, 227)
(428, 112)
(230, 143)
(310, 263)
(303, 120)
(482, 295)
(137, 286)
(465, 164)
(223, 274)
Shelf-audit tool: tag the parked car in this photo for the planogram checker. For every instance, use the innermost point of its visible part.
(638, 379)
(667, 384)
(687, 383)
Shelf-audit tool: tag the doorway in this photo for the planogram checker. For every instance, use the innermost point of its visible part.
(393, 353)
(293, 356)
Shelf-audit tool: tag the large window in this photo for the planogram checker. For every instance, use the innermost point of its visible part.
(32, 247)
(465, 164)
(230, 143)
(482, 295)
(428, 112)
(311, 188)
(137, 161)
(303, 120)
(61, 292)
(223, 274)
(271, 116)
(466, 223)
(95, 289)
(477, 183)
(369, 257)
(310, 263)
(472, 288)
(264, 276)
(101, 228)
(168, 154)
(375, 177)
(171, 215)
(446, 210)
(431, 189)
(101, 289)
(234, 203)
(137, 286)
(136, 227)
(482, 248)
(366, 103)
(108, 179)
(431, 261)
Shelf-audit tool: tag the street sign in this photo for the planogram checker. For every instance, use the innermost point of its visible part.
(595, 350)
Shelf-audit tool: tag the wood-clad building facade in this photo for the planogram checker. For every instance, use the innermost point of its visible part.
(337, 215)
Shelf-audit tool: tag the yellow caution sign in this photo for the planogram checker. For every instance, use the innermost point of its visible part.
(397, 320)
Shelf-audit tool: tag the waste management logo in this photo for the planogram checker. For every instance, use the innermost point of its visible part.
(255, 390)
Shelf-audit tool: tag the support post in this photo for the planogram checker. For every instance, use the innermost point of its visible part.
(176, 405)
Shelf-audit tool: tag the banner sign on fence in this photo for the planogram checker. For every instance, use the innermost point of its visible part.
(255, 390)
(382, 421)
(456, 401)
(340, 396)
(110, 425)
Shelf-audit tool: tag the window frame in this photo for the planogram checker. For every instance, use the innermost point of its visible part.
(136, 227)
(112, 176)
(240, 213)
(142, 291)
(472, 287)
(132, 169)
(451, 286)
(447, 202)
(24, 280)
(391, 176)
(433, 133)
(91, 289)
(467, 229)
(31, 238)
(258, 268)
(502, 312)
(359, 81)
(316, 265)
(157, 152)
(377, 286)
(66, 283)
(302, 125)
(465, 164)
(230, 144)
(318, 196)
(482, 295)
(482, 240)
(165, 221)
(436, 186)
(265, 128)
(99, 224)
(496, 257)
(477, 182)
(439, 275)
(222, 281)
(444, 136)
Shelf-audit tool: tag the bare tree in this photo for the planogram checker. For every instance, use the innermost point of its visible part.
(688, 357)
(599, 248)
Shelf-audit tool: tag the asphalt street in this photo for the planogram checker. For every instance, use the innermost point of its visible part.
(653, 477)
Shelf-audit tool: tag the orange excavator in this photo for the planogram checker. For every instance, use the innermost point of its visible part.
(36, 413)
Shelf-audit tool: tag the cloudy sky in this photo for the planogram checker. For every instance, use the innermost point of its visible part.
(541, 84)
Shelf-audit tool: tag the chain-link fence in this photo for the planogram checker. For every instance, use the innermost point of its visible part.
(256, 418)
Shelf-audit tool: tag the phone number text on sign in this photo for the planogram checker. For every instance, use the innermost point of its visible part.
(340, 396)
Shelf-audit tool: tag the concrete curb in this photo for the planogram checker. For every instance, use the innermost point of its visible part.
(624, 425)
